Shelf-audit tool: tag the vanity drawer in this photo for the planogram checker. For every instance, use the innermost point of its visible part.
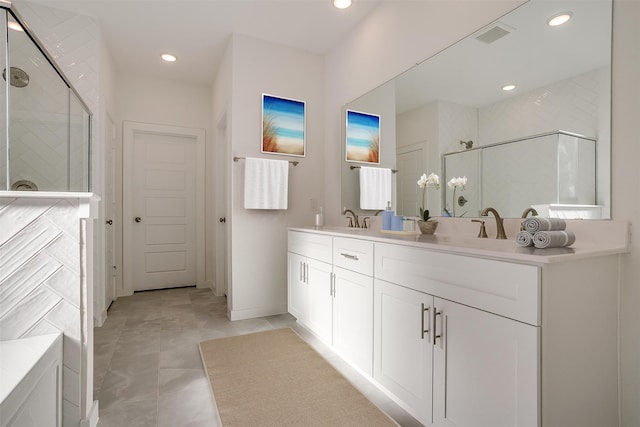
(316, 246)
(504, 288)
(353, 254)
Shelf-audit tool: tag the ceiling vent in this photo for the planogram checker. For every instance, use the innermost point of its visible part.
(494, 32)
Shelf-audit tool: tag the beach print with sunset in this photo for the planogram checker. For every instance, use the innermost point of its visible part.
(282, 126)
(363, 137)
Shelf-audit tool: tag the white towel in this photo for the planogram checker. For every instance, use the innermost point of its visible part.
(524, 238)
(375, 188)
(553, 239)
(266, 183)
(538, 223)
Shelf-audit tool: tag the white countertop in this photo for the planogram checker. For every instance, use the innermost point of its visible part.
(18, 357)
(593, 238)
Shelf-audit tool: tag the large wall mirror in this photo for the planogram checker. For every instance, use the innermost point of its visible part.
(450, 115)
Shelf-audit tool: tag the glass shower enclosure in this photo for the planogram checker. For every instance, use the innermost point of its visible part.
(45, 126)
(555, 168)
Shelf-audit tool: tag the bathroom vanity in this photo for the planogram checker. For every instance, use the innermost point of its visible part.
(466, 332)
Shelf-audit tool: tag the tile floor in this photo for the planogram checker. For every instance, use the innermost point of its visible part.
(147, 368)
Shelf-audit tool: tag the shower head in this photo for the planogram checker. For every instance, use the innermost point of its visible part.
(17, 77)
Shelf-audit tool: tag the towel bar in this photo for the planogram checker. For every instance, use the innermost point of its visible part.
(293, 162)
(358, 167)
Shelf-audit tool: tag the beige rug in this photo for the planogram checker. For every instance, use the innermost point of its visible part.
(274, 378)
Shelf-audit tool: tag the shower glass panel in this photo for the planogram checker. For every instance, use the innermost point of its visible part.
(562, 163)
(4, 147)
(46, 142)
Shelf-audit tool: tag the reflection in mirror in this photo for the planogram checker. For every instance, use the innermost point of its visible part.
(563, 164)
(562, 80)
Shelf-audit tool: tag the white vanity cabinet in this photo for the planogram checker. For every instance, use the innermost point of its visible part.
(485, 369)
(475, 368)
(353, 301)
(310, 282)
(330, 292)
(512, 337)
(403, 354)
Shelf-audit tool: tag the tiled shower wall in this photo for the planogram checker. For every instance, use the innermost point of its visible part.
(43, 283)
(38, 111)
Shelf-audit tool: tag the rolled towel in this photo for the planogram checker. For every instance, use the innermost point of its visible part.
(538, 223)
(524, 238)
(553, 239)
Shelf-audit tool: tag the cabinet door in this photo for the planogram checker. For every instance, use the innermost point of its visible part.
(353, 318)
(485, 369)
(402, 355)
(296, 286)
(320, 308)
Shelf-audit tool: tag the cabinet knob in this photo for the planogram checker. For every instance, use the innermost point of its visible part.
(137, 219)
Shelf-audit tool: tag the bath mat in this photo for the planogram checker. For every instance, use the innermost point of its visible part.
(274, 378)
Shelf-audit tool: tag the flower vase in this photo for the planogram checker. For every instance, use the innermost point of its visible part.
(428, 227)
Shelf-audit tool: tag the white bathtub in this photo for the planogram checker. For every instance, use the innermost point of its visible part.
(31, 382)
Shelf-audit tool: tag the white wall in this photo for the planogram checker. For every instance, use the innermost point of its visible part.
(259, 237)
(625, 181)
(166, 102)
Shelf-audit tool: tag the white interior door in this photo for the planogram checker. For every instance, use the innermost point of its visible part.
(410, 166)
(110, 271)
(163, 208)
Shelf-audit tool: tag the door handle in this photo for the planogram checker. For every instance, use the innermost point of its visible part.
(137, 219)
(110, 222)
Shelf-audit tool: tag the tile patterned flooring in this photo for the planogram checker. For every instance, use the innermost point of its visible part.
(147, 368)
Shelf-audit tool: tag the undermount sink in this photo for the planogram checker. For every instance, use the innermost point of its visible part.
(341, 228)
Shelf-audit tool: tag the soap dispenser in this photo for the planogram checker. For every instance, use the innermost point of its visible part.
(387, 214)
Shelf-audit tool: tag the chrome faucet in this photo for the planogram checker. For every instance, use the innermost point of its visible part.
(501, 234)
(526, 212)
(355, 218)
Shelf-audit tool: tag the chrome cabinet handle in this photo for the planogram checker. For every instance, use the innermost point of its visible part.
(301, 274)
(436, 313)
(332, 278)
(110, 222)
(422, 329)
(349, 256)
(306, 273)
(137, 219)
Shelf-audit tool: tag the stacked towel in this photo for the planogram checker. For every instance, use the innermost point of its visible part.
(537, 223)
(375, 188)
(553, 239)
(545, 233)
(524, 238)
(266, 183)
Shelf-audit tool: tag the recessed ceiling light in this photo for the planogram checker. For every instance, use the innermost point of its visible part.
(168, 57)
(342, 4)
(15, 26)
(508, 87)
(559, 19)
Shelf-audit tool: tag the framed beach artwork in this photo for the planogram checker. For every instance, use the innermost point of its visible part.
(363, 137)
(283, 126)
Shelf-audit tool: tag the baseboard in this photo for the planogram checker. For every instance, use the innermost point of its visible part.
(256, 312)
(100, 318)
(93, 418)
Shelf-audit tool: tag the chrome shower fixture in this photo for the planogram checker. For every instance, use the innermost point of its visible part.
(17, 77)
(467, 144)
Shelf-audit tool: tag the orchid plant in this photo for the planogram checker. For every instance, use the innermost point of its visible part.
(423, 183)
(454, 184)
